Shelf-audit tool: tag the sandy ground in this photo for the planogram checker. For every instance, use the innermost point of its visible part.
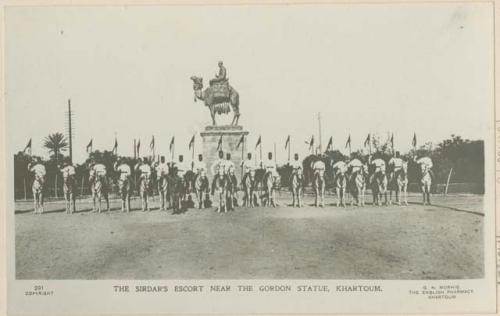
(443, 241)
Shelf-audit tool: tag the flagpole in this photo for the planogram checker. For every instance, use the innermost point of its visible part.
(192, 155)
(260, 148)
(274, 152)
(154, 151)
(319, 130)
(135, 148)
(289, 145)
(242, 155)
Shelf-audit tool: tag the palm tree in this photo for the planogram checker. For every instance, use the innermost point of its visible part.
(55, 143)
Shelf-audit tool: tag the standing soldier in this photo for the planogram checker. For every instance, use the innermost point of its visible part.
(99, 183)
(248, 180)
(218, 170)
(124, 175)
(182, 167)
(229, 168)
(36, 168)
(144, 170)
(378, 180)
(339, 168)
(426, 177)
(296, 186)
(202, 188)
(395, 166)
(269, 165)
(271, 178)
(319, 168)
(296, 168)
(248, 167)
(68, 173)
(162, 172)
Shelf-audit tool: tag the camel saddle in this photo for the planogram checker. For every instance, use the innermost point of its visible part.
(220, 89)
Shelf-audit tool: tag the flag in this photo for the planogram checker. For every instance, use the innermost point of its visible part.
(367, 140)
(414, 141)
(89, 146)
(152, 144)
(348, 142)
(115, 147)
(392, 142)
(287, 142)
(259, 141)
(330, 144)
(172, 142)
(138, 147)
(311, 142)
(219, 145)
(28, 146)
(242, 138)
(191, 142)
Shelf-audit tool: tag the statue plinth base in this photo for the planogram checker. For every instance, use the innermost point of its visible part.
(231, 136)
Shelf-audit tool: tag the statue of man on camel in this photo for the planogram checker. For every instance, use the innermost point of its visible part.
(219, 97)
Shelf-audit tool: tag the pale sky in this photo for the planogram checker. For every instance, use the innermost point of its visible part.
(402, 68)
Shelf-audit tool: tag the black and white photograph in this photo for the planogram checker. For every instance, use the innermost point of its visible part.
(280, 142)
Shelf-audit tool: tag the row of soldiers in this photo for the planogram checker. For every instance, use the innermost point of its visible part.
(222, 166)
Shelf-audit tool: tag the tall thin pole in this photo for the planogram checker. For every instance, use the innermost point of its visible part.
(154, 145)
(448, 182)
(260, 148)
(242, 155)
(24, 182)
(135, 148)
(289, 145)
(319, 130)
(275, 152)
(192, 156)
(70, 133)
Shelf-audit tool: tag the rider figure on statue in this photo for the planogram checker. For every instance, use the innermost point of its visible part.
(221, 76)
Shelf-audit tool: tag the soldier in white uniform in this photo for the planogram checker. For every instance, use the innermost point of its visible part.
(36, 168)
(395, 166)
(182, 166)
(354, 165)
(248, 167)
(199, 167)
(229, 167)
(230, 170)
(162, 171)
(339, 167)
(318, 166)
(124, 173)
(378, 167)
(269, 165)
(144, 170)
(98, 171)
(162, 168)
(425, 163)
(218, 169)
(68, 170)
(68, 173)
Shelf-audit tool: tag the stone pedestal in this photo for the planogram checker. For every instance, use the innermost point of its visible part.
(231, 135)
